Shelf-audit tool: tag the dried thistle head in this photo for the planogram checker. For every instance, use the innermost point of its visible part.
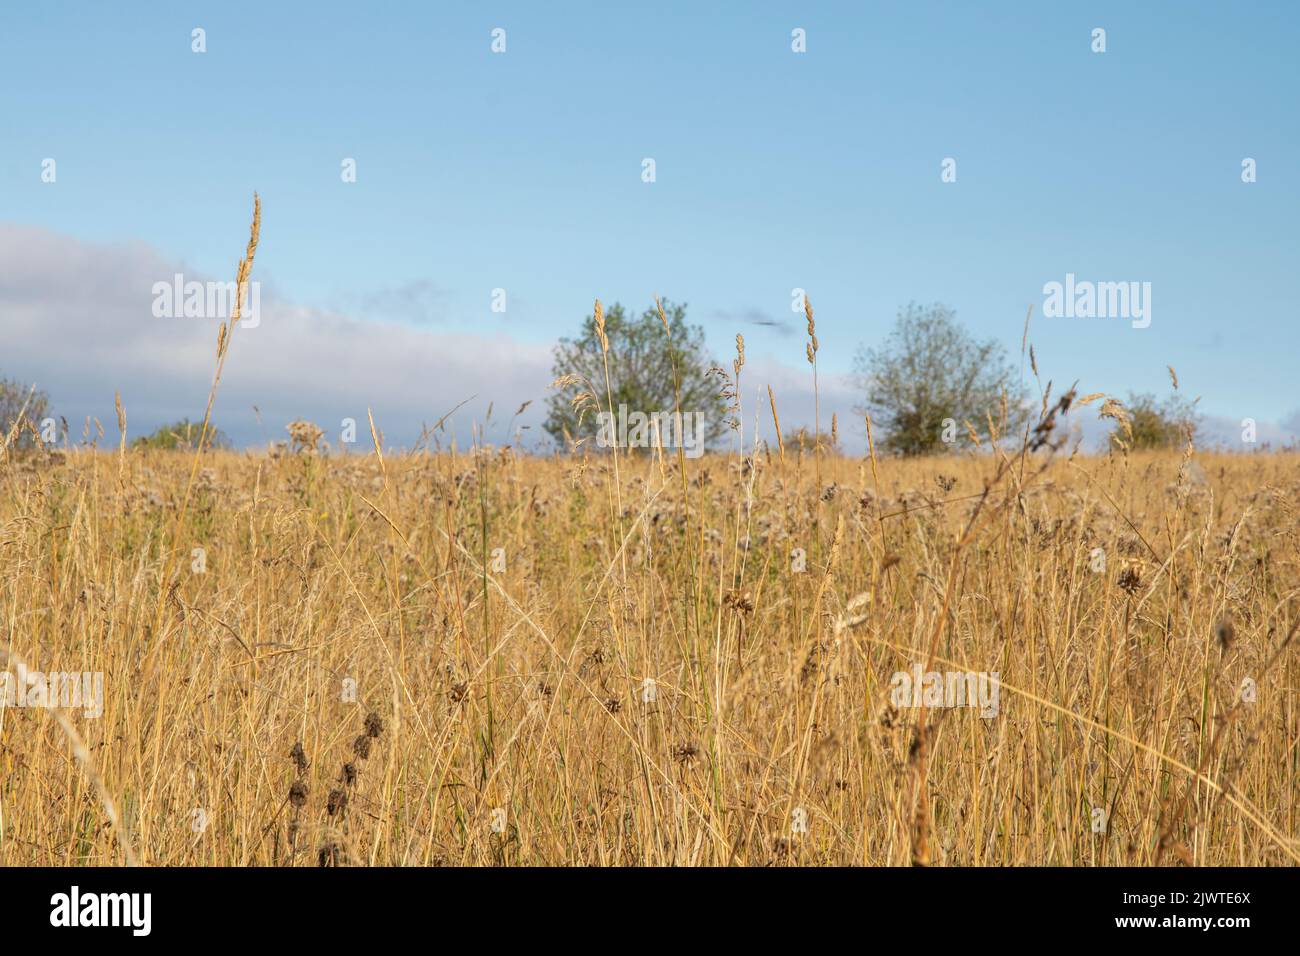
(304, 436)
(889, 716)
(1130, 580)
(1225, 633)
(299, 757)
(338, 801)
(374, 724)
(298, 793)
(685, 753)
(741, 601)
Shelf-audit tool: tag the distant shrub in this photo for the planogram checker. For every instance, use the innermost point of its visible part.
(803, 439)
(931, 375)
(1161, 424)
(14, 395)
(183, 434)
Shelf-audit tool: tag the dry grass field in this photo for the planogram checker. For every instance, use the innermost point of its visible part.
(502, 713)
(632, 657)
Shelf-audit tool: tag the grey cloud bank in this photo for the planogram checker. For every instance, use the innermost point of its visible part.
(78, 321)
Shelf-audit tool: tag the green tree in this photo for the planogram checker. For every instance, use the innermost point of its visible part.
(182, 434)
(33, 405)
(1160, 424)
(645, 362)
(930, 377)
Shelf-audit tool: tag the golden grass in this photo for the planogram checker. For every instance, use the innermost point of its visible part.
(622, 659)
(523, 691)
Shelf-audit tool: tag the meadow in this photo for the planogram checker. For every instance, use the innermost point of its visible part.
(490, 658)
(635, 657)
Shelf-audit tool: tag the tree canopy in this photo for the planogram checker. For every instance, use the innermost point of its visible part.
(930, 378)
(651, 369)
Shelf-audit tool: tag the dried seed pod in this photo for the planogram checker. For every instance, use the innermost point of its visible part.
(338, 801)
(330, 854)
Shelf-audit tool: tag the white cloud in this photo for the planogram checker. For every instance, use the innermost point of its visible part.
(78, 322)
(1221, 431)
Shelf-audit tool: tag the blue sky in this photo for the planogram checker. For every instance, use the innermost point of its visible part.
(775, 170)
